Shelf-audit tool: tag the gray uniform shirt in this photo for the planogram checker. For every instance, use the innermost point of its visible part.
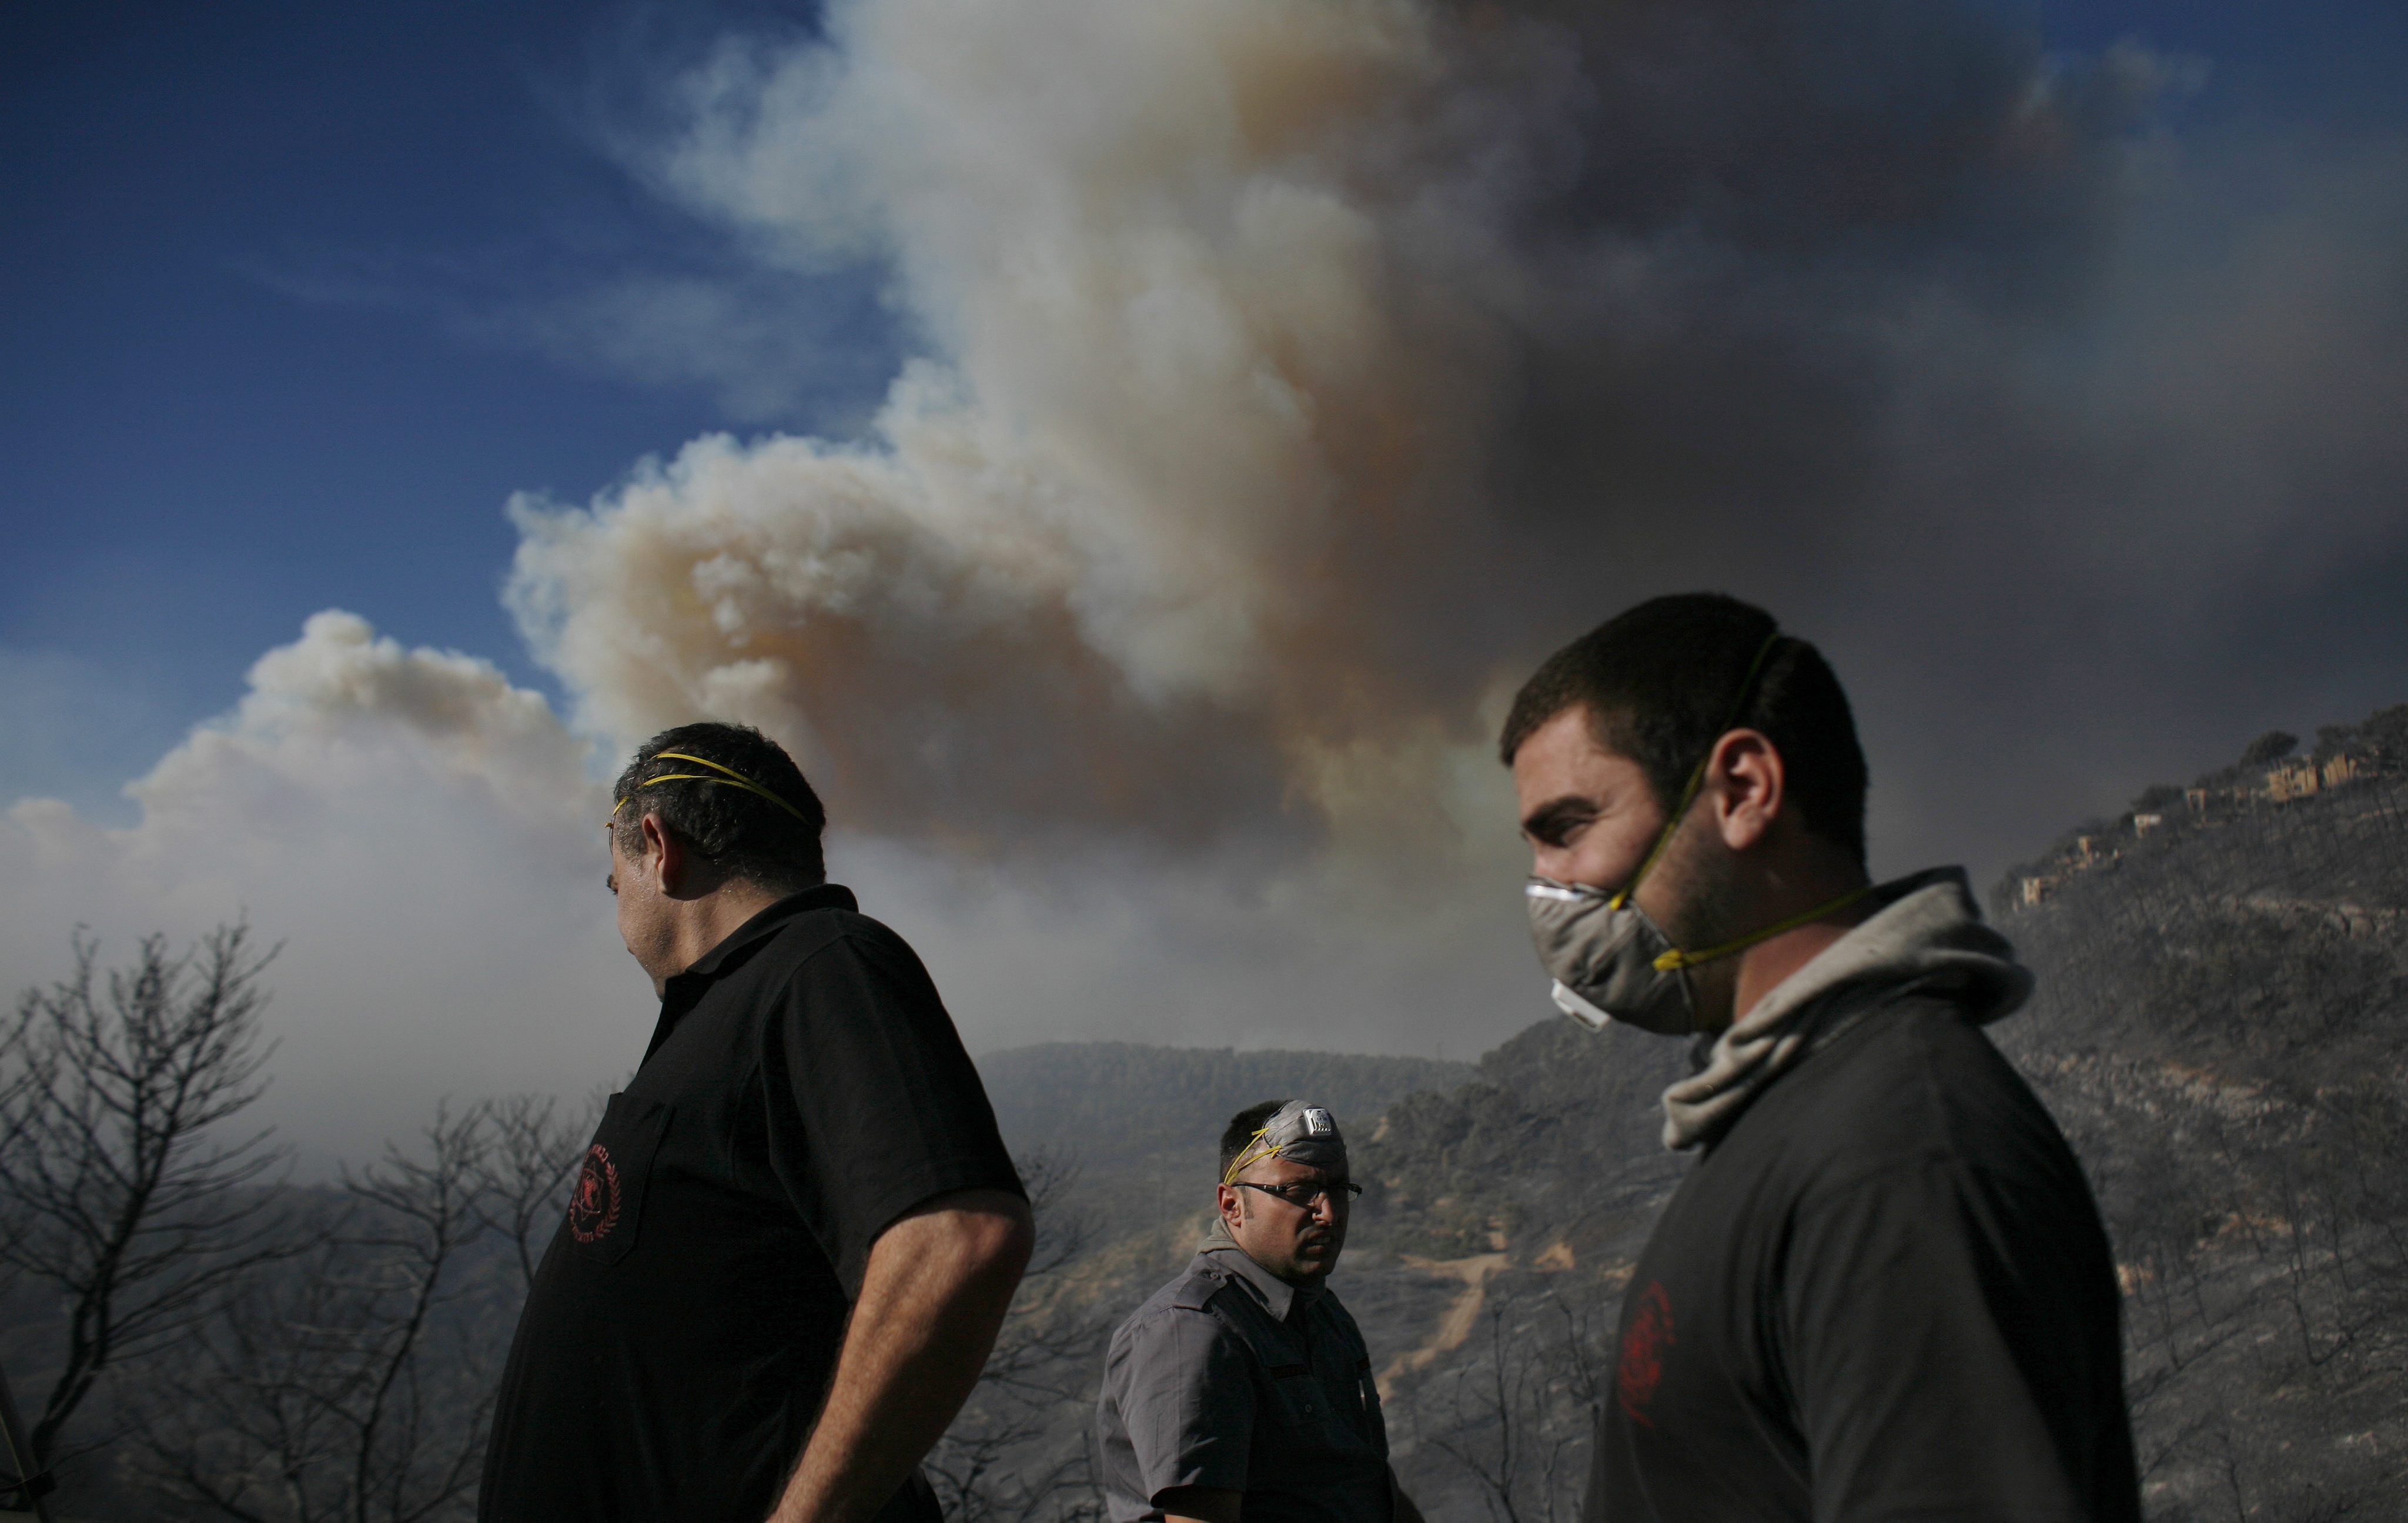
(1229, 1377)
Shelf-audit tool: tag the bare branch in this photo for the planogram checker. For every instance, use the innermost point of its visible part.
(353, 1386)
(115, 1186)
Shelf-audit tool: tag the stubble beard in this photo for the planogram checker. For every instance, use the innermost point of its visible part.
(1708, 909)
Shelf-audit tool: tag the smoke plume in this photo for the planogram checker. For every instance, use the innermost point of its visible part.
(1294, 374)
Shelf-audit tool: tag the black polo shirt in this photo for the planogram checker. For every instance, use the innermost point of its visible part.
(803, 1089)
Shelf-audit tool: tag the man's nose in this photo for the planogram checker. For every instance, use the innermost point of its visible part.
(1562, 865)
(1553, 862)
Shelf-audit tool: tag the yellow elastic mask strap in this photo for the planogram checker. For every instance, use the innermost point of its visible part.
(733, 780)
(1698, 774)
(1249, 1155)
(1677, 958)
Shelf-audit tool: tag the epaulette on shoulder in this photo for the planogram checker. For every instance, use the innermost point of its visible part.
(1198, 1289)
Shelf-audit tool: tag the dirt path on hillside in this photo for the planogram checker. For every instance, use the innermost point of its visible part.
(1462, 1314)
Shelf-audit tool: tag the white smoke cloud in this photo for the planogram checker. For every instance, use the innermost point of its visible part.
(1104, 562)
(426, 840)
(422, 836)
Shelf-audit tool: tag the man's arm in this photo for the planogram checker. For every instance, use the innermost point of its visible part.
(1406, 1511)
(935, 1292)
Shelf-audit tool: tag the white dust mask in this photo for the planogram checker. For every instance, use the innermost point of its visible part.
(1608, 959)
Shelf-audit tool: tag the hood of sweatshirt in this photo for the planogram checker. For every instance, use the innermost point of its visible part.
(1928, 933)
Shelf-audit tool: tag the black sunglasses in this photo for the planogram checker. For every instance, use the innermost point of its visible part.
(1303, 1193)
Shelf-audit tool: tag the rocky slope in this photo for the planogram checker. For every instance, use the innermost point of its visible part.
(2223, 1002)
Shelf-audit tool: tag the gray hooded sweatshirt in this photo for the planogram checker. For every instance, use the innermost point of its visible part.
(1928, 933)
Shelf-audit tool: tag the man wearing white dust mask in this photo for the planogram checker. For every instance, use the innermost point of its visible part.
(1883, 1290)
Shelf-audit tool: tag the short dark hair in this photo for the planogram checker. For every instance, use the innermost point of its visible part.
(1660, 683)
(1242, 1127)
(737, 830)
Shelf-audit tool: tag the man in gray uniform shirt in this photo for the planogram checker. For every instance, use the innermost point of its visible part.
(1243, 1384)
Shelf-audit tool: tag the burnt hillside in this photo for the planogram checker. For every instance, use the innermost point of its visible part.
(2223, 1001)
(2222, 1010)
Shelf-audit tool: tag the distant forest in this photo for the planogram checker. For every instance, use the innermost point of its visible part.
(2223, 1002)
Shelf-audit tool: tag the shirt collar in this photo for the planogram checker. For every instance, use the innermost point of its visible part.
(685, 990)
(1278, 1297)
(822, 896)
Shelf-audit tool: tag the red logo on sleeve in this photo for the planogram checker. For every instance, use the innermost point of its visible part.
(1644, 1344)
(594, 1208)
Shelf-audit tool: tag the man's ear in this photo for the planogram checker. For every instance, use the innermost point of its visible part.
(1230, 1202)
(1749, 784)
(665, 856)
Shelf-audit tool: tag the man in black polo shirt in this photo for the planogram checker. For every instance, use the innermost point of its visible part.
(1884, 1291)
(795, 1233)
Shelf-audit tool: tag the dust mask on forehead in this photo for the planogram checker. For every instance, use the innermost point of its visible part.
(1298, 1132)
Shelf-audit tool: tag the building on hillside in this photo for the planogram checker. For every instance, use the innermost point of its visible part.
(2292, 780)
(2197, 799)
(2344, 768)
(2035, 889)
(2087, 853)
(2143, 824)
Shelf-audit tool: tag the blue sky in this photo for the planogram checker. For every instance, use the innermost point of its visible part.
(266, 345)
(2328, 62)
(293, 309)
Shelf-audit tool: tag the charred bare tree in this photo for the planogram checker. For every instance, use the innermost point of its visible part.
(1010, 1456)
(523, 1172)
(353, 1386)
(118, 1188)
(1517, 1418)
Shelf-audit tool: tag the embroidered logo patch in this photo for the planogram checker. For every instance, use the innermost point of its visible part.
(1642, 1366)
(594, 1208)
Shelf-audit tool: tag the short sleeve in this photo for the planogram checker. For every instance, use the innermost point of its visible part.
(1943, 1349)
(1186, 1400)
(873, 1106)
